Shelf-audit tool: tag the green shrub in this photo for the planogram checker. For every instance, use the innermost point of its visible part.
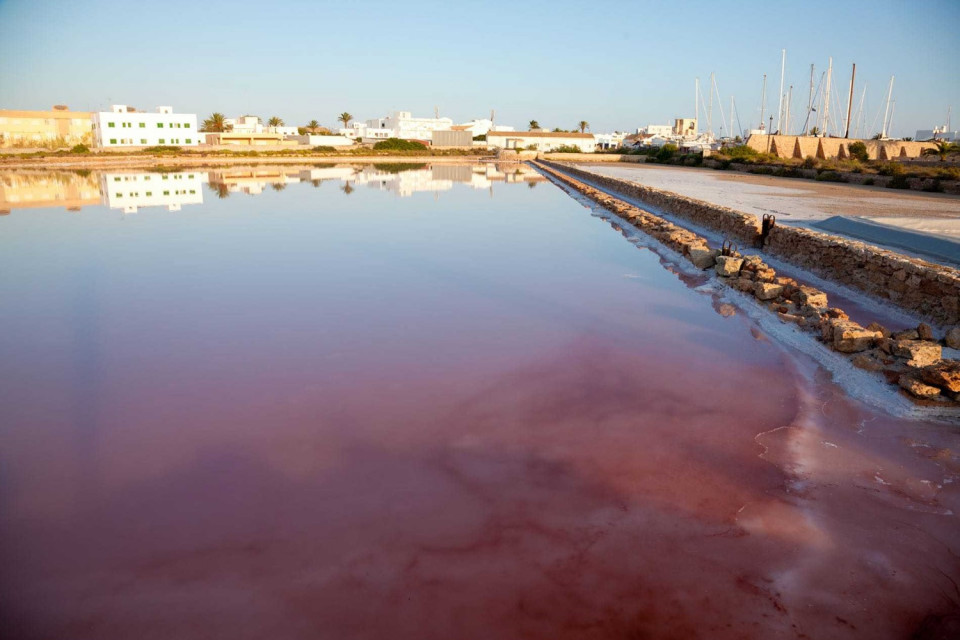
(858, 150)
(830, 176)
(567, 148)
(869, 182)
(80, 148)
(890, 169)
(162, 149)
(323, 149)
(899, 181)
(949, 173)
(397, 144)
(666, 153)
(934, 186)
(809, 162)
(740, 152)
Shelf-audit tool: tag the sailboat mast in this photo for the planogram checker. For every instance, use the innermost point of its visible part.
(710, 109)
(886, 112)
(696, 100)
(731, 119)
(846, 133)
(786, 112)
(826, 99)
(763, 99)
(783, 67)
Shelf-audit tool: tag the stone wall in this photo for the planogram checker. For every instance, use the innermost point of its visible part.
(590, 157)
(917, 286)
(803, 146)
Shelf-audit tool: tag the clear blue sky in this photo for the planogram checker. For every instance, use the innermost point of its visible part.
(618, 65)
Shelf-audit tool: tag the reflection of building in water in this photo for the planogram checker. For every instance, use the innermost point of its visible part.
(252, 180)
(36, 190)
(130, 191)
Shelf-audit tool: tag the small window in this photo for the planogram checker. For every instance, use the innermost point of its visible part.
(165, 176)
(166, 193)
(119, 195)
(113, 141)
(159, 125)
(143, 141)
(117, 179)
(186, 125)
(191, 175)
(111, 124)
(143, 125)
(189, 142)
(192, 191)
(149, 193)
(162, 141)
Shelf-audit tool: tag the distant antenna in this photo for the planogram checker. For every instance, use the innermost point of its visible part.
(436, 112)
(492, 113)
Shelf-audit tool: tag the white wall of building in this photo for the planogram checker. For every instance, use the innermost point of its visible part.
(323, 141)
(542, 142)
(131, 191)
(121, 127)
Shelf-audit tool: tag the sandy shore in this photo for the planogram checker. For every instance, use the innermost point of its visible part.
(801, 202)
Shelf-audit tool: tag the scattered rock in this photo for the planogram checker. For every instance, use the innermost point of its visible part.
(837, 313)
(867, 362)
(876, 326)
(909, 334)
(703, 258)
(850, 337)
(767, 290)
(728, 266)
(766, 274)
(812, 297)
(727, 310)
(743, 284)
(952, 338)
(918, 352)
(917, 388)
(925, 331)
(945, 375)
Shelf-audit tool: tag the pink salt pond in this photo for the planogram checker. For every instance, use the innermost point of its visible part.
(330, 413)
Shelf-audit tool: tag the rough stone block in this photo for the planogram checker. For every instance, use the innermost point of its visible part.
(850, 337)
(767, 290)
(917, 388)
(703, 258)
(918, 352)
(952, 338)
(945, 375)
(728, 266)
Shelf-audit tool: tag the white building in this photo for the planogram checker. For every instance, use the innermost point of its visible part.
(541, 140)
(609, 140)
(131, 191)
(657, 129)
(124, 126)
(398, 124)
(481, 127)
(937, 133)
(243, 124)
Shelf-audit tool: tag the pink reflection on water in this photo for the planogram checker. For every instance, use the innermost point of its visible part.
(500, 451)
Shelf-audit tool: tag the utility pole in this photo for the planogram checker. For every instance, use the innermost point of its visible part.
(846, 133)
(783, 67)
(886, 112)
(826, 99)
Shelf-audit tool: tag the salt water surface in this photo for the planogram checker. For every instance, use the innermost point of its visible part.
(426, 402)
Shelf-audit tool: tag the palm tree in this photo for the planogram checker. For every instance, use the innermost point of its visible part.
(584, 125)
(814, 131)
(275, 122)
(534, 125)
(347, 188)
(345, 118)
(214, 123)
(312, 126)
(943, 148)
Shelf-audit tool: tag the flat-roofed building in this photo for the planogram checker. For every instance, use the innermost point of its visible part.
(58, 127)
(541, 140)
(124, 126)
(132, 191)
